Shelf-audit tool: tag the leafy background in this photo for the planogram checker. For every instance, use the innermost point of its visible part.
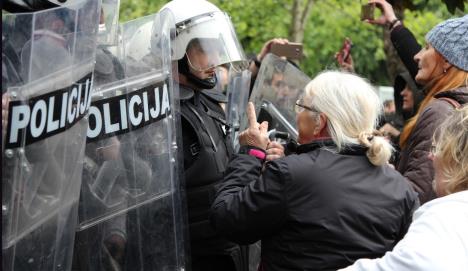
(329, 22)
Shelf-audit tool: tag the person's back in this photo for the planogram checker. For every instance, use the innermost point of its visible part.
(340, 208)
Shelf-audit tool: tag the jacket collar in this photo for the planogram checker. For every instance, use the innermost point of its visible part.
(185, 93)
(353, 149)
(460, 94)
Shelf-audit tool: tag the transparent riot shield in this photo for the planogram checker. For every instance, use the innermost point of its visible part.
(108, 22)
(51, 53)
(129, 212)
(277, 87)
(238, 96)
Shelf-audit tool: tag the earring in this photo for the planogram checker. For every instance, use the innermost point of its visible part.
(445, 70)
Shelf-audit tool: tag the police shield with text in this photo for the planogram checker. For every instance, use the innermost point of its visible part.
(48, 61)
(130, 209)
(205, 39)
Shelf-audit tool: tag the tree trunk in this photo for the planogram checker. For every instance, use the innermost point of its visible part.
(299, 14)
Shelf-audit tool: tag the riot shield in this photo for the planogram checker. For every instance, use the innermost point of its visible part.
(109, 22)
(277, 87)
(238, 96)
(129, 212)
(51, 54)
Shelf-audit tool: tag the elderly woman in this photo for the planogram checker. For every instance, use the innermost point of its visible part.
(334, 201)
(437, 239)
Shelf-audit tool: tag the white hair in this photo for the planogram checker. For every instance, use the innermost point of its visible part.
(352, 108)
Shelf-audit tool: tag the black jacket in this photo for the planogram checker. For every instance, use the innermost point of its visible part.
(206, 148)
(407, 47)
(316, 210)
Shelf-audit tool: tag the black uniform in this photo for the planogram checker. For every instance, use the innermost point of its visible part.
(207, 149)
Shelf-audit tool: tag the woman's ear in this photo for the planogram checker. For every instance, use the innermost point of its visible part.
(321, 127)
(446, 65)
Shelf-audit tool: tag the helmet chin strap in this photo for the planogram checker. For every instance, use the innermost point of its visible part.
(207, 83)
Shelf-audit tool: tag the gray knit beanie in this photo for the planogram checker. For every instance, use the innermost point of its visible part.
(450, 39)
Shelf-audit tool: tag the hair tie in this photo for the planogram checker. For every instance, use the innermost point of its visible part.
(364, 138)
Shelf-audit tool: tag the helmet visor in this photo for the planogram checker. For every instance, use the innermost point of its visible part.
(209, 40)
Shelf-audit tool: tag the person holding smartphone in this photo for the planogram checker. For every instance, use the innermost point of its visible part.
(441, 67)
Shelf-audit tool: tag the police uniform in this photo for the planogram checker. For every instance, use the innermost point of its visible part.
(207, 149)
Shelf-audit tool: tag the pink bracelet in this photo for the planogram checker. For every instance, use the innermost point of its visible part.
(257, 153)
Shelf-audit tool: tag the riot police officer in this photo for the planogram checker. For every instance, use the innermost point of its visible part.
(204, 40)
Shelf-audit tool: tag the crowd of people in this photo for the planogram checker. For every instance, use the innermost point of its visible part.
(337, 199)
(352, 193)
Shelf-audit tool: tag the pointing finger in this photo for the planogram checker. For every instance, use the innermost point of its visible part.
(252, 117)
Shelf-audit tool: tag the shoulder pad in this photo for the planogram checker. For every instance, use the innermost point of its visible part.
(215, 95)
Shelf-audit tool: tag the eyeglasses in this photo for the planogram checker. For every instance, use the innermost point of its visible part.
(300, 107)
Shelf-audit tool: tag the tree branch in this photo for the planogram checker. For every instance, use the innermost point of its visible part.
(306, 12)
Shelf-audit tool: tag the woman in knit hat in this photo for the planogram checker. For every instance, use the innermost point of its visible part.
(441, 67)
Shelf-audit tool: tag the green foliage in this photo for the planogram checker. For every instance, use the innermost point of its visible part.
(257, 21)
(329, 23)
(452, 5)
(132, 9)
(422, 20)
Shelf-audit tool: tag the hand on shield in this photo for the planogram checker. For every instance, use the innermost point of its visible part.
(256, 135)
(274, 151)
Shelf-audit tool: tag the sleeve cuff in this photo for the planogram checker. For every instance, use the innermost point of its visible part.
(253, 151)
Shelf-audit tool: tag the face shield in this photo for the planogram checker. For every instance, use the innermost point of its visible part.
(209, 40)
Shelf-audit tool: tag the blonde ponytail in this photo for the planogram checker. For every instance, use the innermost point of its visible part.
(379, 151)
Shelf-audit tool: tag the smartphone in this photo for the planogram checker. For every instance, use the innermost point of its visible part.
(345, 51)
(290, 50)
(367, 12)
